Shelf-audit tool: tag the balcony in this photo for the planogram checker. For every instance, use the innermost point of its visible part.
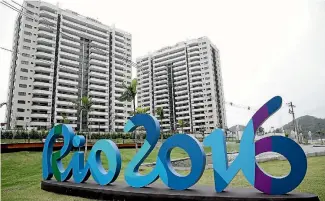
(45, 48)
(98, 56)
(98, 75)
(47, 34)
(40, 115)
(94, 127)
(45, 55)
(95, 86)
(180, 82)
(38, 91)
(45, 41)
(68, 75)
(47, 13)
(67, 89)
(96, 93)
(43, 62)
(72, 70)
(161, 82)
(58, 117)
(64, 103)
(158, 87)
(43, 69)
(99, 100)
(41, 76)
(69, 62)
(68, 82)
(102, 46)
(98, 68)
(37, 107)
(163, 91)
(98, 120)
(42, 84)
(95, 61)
(94, 106)
(98, 113)
(181, 77)
(67, 55)
(99, 81)
(67, 96)
(70, 111)
(42, 100)
(67, 41)
(69, 47)
(35, 124)
(182, 107)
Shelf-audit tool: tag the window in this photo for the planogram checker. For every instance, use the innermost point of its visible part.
(23, 78)
(24, 62)
(21, 93)
(24, 70)
(29, 19)
(25, 55)
(28, 26)
(30, 12)
(21, 102)
(30, 5)
(27, 40)
(23, 85)
(26, 47)
(20, 110)
(27, 33)
(20, 118)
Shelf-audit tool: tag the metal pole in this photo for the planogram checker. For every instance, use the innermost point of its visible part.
(82, 82)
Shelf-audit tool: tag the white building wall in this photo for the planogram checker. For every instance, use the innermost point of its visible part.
(186, 82)
(62, 43)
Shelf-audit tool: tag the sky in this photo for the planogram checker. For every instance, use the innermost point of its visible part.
(267, 48)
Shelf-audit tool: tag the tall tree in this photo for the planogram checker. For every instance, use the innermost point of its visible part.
(65, 119)
(83, 107)
(182, 124)
(141, 110)
(129, 95)
(160, 113)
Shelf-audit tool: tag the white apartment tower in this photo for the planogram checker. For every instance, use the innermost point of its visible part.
(185, 80)
(60, 56)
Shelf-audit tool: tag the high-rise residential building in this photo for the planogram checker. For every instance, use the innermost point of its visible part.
(60, 56)
(185, 80)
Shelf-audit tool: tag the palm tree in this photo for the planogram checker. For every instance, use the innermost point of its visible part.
(160, 113)
(83, 107)
(182, 124)
(141, 110)
(65, 119)
(129, 95)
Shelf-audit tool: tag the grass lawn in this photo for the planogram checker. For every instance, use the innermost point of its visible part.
(21, 175)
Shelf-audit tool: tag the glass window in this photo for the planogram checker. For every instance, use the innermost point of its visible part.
(21, 102)
(21, 93)
(24, 62)
(28, 26)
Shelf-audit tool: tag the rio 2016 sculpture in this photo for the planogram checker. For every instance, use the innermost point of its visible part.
(245, 161)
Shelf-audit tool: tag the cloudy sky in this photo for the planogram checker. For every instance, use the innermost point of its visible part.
(268, 48)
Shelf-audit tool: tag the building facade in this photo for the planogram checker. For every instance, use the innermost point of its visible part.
(60, 56)
(185, 80)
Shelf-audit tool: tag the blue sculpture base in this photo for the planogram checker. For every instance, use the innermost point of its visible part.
(159, 192)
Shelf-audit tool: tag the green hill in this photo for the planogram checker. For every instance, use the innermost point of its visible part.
(307, 123)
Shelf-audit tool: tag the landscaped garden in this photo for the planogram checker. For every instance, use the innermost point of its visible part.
(21, 174)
